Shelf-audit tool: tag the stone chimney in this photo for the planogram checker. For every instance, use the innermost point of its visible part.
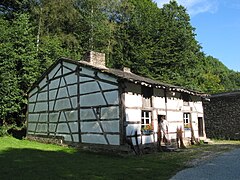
(126, 69)
(95, 58)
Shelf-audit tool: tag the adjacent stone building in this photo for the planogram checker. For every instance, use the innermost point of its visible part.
(222, 116)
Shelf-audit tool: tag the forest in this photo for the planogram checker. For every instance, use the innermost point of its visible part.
(159, 43)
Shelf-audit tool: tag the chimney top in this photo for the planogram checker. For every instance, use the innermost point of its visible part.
(126, 69)
(95, 58)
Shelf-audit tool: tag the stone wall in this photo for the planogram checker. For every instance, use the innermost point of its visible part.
(222, 116)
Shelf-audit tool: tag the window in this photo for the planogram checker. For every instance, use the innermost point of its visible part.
(186, 99)
(147, 92)
(186, 120)
(146, 119)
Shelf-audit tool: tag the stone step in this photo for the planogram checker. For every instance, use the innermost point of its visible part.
(208, 141)
(167, 148)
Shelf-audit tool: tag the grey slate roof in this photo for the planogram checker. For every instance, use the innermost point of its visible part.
(225, 94)
(128, 76)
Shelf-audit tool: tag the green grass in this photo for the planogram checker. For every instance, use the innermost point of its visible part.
(23, 159)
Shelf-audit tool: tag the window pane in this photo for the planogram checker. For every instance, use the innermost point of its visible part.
(147, 114)
(146, 117)
(147, 121)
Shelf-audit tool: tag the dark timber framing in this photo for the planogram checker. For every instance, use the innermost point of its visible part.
(59, 105)
(77, 71)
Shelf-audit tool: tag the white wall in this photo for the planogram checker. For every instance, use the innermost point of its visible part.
(53, 106)
(173, 110)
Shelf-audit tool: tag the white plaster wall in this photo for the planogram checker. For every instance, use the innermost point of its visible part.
(155, 120)
(71, 115)
(42, 128)
(158, 102)
(148, 139)
(158, 99)
(31, 127)
(133, 115)
(62, 104)
(95, 99)
(187, 108)
(133, 104)
(30, 107)
(187, 133)
(54, 84)
(105, 76)
(110, 126)
(100, 139)
(107, 86)
(133, 97)
(53, 117)
(113, 139)
(53, 72)
(133, 100)
(89, 87)
(198, 106)
(86, 114)
(31, 94)
(90, 127)
(42, 96)
(70, 66)
(134, 140)
(112, 97)
(41, 106)
(43, 83)
(175, 116)
(111, 112)
(174, 103)
(92, 95)
(131, 128)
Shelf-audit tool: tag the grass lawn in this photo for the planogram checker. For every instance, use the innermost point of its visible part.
(23, 159)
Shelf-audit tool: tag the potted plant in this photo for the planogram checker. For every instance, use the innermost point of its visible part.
(147, 129)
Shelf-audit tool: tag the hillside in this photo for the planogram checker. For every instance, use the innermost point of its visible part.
(154, 42)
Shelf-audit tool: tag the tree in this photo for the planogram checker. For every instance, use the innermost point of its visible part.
(9, 8)
(10, 93)
(178, 47)
(137, 21)
(19, 66)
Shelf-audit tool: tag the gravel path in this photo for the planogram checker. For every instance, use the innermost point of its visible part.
(223, 167)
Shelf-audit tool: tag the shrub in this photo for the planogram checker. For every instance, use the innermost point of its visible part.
(4, 130)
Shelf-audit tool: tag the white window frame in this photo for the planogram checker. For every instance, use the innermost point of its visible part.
(146, 116)
(186, 120)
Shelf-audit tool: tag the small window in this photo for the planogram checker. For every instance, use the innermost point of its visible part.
(186, 99)
(186, 120)
(146, 120)
(147, 92)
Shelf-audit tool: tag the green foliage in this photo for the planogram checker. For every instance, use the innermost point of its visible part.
(4, 130)
(155, 42)
(18, 65)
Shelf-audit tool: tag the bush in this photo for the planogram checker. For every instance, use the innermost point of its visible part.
(13, 130)
(17, 132)
(4, 130)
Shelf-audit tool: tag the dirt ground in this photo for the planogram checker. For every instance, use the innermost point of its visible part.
(208, 151)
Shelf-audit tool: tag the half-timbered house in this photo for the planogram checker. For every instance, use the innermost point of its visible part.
(86, 102)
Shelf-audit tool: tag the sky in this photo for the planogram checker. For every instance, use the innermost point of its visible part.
(217, 24)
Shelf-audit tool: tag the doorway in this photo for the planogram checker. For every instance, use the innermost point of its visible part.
(200, 126)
